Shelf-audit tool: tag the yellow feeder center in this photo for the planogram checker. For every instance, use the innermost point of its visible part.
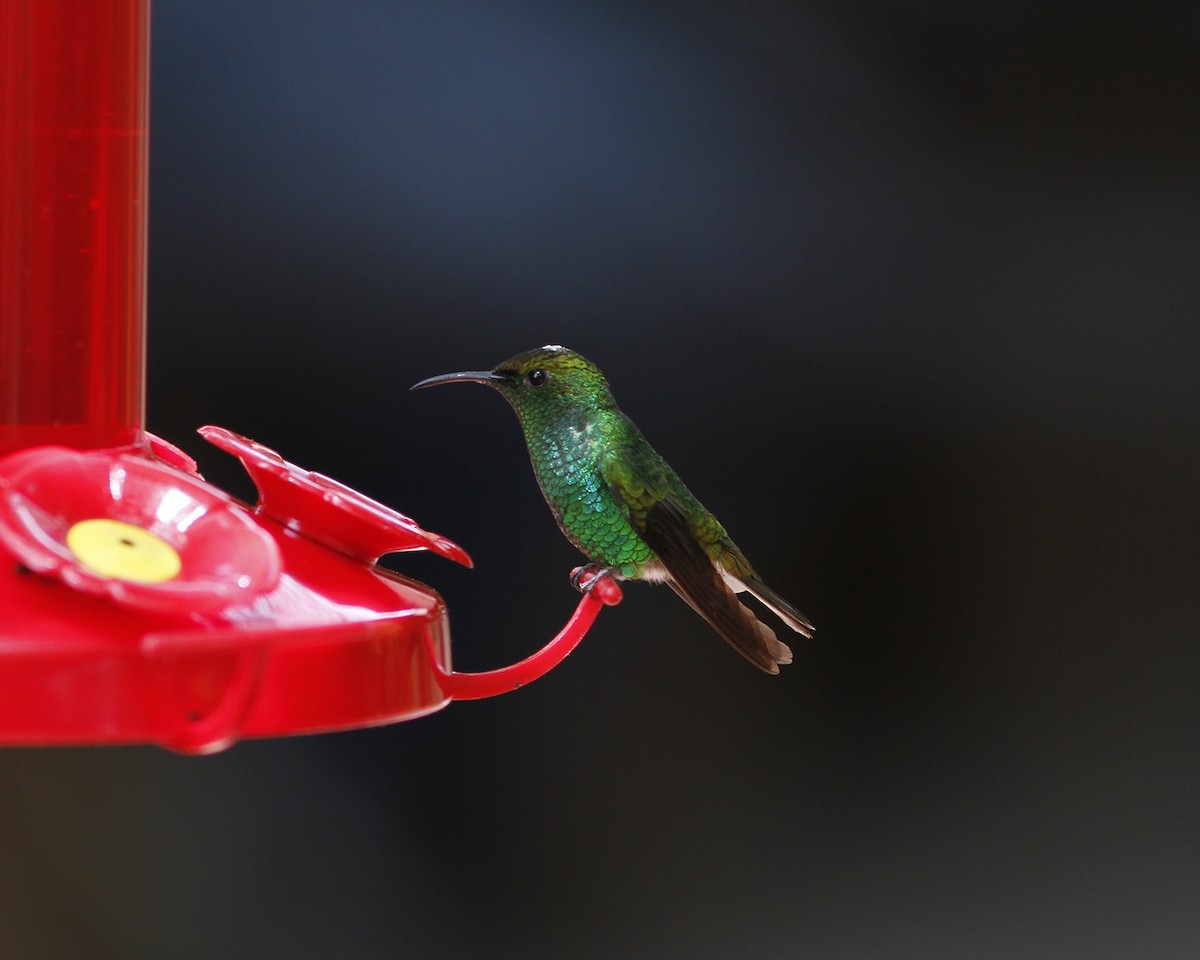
(122, 551)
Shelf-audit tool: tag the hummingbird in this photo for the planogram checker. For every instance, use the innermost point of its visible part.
(622, 505)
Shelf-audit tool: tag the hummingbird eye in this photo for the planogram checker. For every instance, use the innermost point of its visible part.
(537, 378)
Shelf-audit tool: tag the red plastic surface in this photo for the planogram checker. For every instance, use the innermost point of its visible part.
(73, 114)
(313, 504)
(268, 631)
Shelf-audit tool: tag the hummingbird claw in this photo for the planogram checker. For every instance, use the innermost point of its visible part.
(596, 580)
(585, 578)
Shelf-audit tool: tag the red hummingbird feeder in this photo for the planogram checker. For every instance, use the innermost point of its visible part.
(138, 603)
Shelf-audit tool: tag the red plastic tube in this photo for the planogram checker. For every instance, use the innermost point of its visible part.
(73, 149)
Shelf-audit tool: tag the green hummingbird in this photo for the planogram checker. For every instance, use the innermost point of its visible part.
(620, 503)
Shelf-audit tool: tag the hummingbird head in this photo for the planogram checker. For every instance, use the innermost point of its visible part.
(549, 384)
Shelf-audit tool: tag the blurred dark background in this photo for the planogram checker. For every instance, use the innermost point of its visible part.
(907, 294)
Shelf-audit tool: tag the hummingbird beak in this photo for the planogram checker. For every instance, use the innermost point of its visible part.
(467, 376)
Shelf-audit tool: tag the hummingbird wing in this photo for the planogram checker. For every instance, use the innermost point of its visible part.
(658, 508)
(692, 574)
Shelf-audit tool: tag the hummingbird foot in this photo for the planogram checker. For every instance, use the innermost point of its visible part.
(585, 578)
(596, 579)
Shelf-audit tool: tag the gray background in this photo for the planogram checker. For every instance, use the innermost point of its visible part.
(906, 293)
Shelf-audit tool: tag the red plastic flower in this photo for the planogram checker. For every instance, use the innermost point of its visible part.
(121, 525)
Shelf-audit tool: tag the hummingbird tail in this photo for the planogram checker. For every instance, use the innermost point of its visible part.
(748, 635)
(780, 607)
